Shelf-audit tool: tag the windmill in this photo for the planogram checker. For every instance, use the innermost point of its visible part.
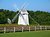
(23, 16)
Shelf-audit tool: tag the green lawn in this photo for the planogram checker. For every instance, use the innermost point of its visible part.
(27, 34)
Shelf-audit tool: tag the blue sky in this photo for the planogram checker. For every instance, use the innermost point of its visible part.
(42, 5)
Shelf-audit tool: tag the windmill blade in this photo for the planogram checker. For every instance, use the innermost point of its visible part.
(24, 5)
(8, 20)
(15, 17)
(33, 20)
(15, 6)
(17, 9)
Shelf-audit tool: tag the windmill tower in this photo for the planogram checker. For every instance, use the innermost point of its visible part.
(23, 18)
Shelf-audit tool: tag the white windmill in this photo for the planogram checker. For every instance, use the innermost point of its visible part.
(23, 16)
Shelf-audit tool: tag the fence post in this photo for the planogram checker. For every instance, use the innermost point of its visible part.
(22, 29)
(35, 28)
(45, 28)
(29, 29)
(40, 27)
(4, 30)
(14, 29)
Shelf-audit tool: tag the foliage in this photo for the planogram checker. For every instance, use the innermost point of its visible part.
(40, 17)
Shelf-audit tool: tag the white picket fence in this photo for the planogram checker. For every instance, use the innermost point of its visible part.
(29, 28)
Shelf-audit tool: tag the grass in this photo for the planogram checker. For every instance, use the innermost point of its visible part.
(14, 25)
(27, 34)
(8, 24)
(18, 25)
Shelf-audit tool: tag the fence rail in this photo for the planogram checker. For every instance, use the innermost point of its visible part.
(23, 28)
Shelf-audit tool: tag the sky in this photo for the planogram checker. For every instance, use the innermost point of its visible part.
(42, 5)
